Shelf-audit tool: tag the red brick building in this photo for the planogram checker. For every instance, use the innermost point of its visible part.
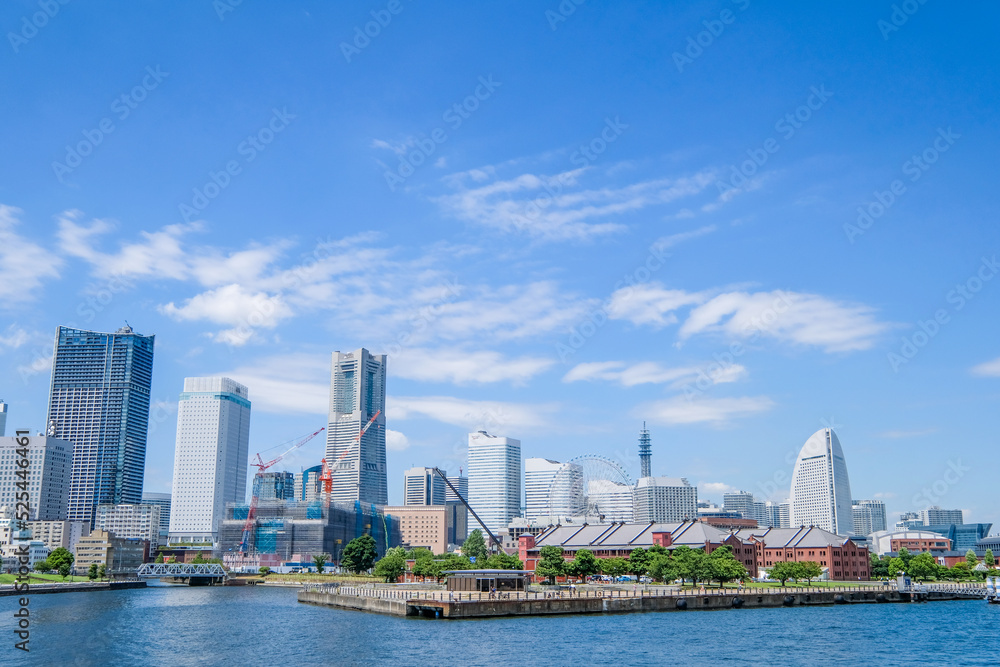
(845, 560)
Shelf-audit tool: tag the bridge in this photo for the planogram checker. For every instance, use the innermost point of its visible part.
(196, 574)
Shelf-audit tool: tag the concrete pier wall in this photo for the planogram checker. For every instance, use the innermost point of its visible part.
(357, 603)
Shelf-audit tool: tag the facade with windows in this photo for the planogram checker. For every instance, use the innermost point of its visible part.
(935, 516)
(821, 490)
(423, 526)
(423, 486)
(869, 516)
(456, 508)
(210, 457)
(552, 489)
(99, 401)
(274, 486)
(748, 507)
(55, 534)
(161, 500)
(46, 479)
(136, 522)
(307, 484)
(842, 558)
(494, 478)
(665, 500)
(357, 397)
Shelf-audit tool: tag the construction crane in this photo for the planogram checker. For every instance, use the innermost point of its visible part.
(469, 507)
(261, 466)
(326, 475)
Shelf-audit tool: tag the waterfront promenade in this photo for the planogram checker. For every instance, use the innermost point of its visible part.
(463, 604)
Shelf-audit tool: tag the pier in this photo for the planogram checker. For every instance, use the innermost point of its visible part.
(460, 604)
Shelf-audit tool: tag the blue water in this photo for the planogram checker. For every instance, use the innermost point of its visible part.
(266, 626)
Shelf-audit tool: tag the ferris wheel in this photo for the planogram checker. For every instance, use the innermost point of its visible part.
(591, 485)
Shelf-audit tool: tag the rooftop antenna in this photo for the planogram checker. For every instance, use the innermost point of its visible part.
(645, 452)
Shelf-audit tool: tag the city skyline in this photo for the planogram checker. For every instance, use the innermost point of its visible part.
(806, 240)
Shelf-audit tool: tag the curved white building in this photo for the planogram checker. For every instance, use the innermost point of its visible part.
(821, 490)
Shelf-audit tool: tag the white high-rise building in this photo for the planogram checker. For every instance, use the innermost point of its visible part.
(777, 514)
(494, 478)
(821, 490)
(748, 506)
(935, 516)
(552, 489)
(611, 501)
(138, 522)
(665, 500)
(210, 457)
(423, 486)
(869, 516)
(357, 396)
(48, 475)
(161, 500)
(3, 418)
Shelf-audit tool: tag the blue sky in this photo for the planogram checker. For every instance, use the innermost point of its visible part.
(557, 220)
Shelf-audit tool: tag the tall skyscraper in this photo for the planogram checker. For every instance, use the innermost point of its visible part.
(935, 516)
(869, 516)
(210, 457)
(99, 401)
(748, 507)
(645, 453)
(275, 486)
(357, 395)
(50, 463)
(458, 514)
(494, 478)
(665, 499)
(821, 490)
(777, 514)
(3, 418)
(552, 488)
(423, 486)
(161, 500)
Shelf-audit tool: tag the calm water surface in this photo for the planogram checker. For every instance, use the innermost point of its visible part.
(266, 626)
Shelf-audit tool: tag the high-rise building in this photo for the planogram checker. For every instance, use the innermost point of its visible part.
(50, 462)
(423, 486)
(777, 514)
(909, 520)
(748, 507)
(357, 397)
(935, 516)
(552, 489)
(3, 418)
(55, 534)
(423, 526)
(494, 478)
(869, 516)
(99, 401)
(645, 453)
(459, 515)
(131, 522)
(821, 490)
(275, 486)
(307, 484)
(210, 457)
(611, 501)
(665, 499)
(161, 500)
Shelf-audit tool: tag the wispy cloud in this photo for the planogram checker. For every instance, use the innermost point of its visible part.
(24, 265)
(988, 369)
(293, 384)
(498, 416)
(648, 372)
(458, 367)
(716, 411)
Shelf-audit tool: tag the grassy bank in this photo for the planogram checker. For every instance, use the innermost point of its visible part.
(35, 578)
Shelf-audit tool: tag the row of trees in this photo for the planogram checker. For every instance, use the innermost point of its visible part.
(682, 563)
(924, 566)
(474, 556)
(60, 560)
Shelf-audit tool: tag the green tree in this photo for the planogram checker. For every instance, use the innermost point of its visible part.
(42, 566)
(264, 571)
(970, 558)
(359, 554)
(662, 567)
(64, 570)
(503, 561)
(905, 555)
(92, 572)
(896, 565)
(724, 567)
(392, 566)
(809, 570)
(452, 562)
(989, 559)
(638, 562)
(584, 564)
(614, 567)
(880, 566)
(474, 547)
(159, 558)
(785, 570)
(59, 556)
(102, 571)
(683, 560)
(551, 564)
(320, 560)
(960, 571)
(922, 567)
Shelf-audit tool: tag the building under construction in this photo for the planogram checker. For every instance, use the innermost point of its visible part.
(294, 532)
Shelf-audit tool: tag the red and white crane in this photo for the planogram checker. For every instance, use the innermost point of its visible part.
(261, 466)
(326, 475)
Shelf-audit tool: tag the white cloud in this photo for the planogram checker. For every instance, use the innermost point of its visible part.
(805, 319)
(493, 416)
(232, 305)
(293, 384)
(557, 207)
(460, 367)
(672, 240)
(13, 338)
(718, 411)
(395, 441)
(650, 372)
(988, 369)
(717, 489)
(23, 264)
